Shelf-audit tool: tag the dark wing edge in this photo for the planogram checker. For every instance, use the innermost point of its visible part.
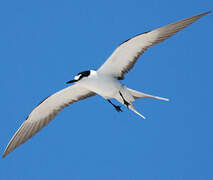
(28, 128)
(161, 34)
(172, 30)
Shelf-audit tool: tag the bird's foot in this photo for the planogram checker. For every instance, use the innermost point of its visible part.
(126, 103)
(118, 108)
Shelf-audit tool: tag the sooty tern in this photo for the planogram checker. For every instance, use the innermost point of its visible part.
(104, 82)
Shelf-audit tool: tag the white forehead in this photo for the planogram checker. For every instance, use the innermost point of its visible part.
(77, 77)
(93, 73)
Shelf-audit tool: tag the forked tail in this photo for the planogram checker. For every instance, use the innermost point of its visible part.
(137, 95)
(134, 110)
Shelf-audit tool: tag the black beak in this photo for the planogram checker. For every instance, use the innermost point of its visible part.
(72, 81)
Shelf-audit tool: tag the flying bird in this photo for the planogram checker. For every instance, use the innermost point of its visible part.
(104, 81)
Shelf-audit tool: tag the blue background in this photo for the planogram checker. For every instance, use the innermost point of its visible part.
(43, 44)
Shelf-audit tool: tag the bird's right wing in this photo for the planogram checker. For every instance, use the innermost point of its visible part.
(125, 56)
(45, 112)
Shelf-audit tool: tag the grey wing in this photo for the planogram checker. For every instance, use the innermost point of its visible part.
(125, 56)
(45, 112)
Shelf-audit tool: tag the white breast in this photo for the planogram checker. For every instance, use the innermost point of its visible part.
(103, 85)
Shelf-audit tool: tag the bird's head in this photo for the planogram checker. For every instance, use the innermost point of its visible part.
(82, 75)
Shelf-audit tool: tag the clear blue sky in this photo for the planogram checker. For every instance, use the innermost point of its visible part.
(43, 44)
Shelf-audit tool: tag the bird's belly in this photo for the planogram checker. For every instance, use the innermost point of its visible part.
(107, 88)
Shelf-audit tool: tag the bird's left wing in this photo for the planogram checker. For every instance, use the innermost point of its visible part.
(45, 112)
(126, 55)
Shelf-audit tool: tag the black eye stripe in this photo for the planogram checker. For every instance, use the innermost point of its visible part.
(84, 74)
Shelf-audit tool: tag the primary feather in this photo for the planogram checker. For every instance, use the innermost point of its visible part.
(125, 56)
(45, 112)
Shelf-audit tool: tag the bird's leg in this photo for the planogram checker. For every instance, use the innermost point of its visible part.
(118, 108)
(125, 102)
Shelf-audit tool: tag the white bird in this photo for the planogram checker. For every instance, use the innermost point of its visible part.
(104, 82)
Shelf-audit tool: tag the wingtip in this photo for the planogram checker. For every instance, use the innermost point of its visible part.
(203, 14)
(208, 12)
(4, 155)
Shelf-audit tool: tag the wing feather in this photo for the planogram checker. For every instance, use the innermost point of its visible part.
(45, 112)
(125, 56)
